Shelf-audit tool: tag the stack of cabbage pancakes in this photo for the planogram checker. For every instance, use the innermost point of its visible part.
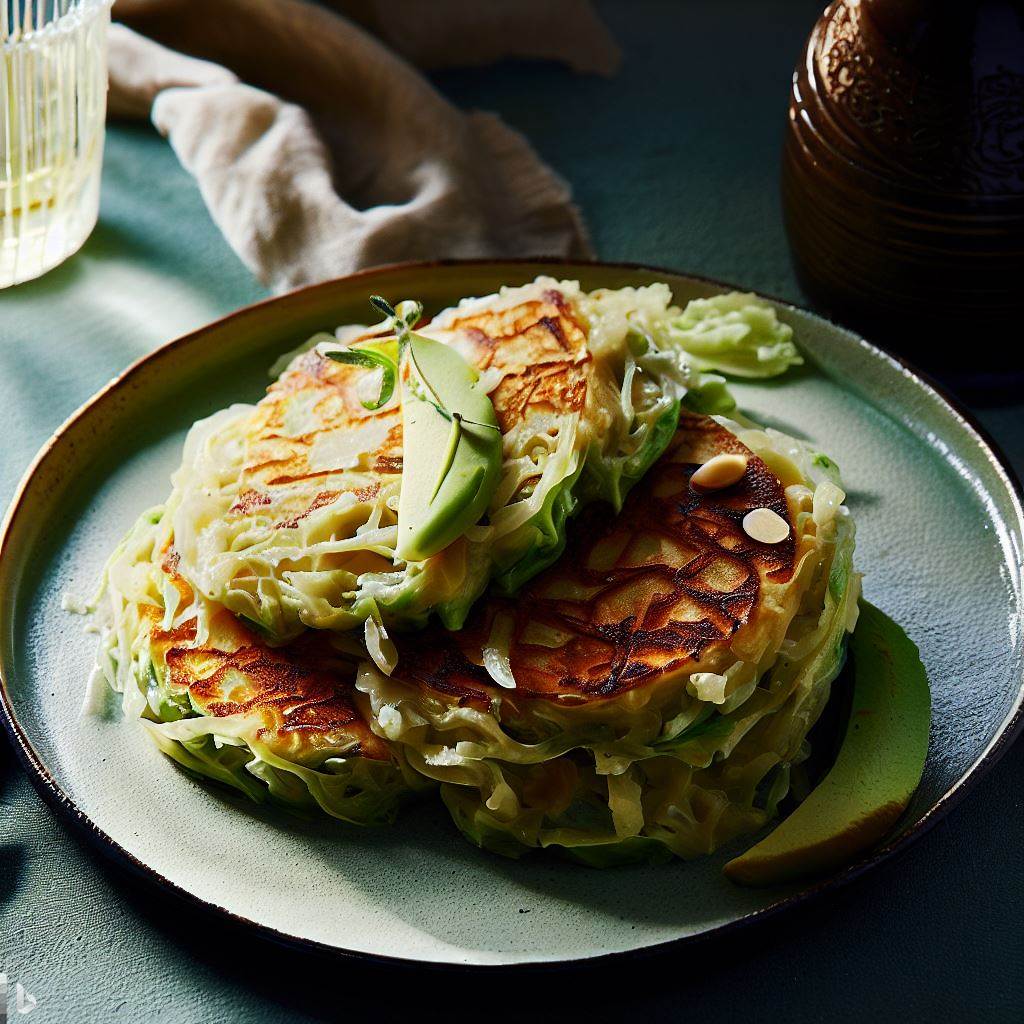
(466, 556)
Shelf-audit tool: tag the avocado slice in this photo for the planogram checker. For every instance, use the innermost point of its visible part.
(451, 461)
(876, 771)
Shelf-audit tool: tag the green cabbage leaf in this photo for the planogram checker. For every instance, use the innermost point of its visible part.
(737, 334)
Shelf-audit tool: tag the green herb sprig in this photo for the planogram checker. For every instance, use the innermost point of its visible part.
(371, 359)
(403, 319)
(401, 323)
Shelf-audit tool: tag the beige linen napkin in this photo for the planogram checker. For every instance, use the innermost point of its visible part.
(319, 151)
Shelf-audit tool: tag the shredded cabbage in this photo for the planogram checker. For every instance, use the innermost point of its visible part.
(320, 552)
(232, 750)
(642, 777)
(495, 653)
(379, 646)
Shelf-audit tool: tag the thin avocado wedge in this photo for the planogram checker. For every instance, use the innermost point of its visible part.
(878, 767)
(451, 449)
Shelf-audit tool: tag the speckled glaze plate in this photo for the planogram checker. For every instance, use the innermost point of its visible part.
(939, 540)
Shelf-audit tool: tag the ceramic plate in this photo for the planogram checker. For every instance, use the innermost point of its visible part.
(939, 540)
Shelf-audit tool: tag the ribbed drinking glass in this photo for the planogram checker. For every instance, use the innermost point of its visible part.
(53, 98)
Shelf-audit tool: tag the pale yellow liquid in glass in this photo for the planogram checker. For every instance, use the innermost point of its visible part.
(53, 84)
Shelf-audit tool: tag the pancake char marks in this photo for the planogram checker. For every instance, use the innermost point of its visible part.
(300, 695)
(538, 345)
(311, 437)
(311, 431)
(635, 598)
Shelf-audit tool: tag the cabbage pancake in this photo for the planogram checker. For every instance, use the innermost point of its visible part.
(652, 690)
(217, 699)
(648, 693)
(285, 512)
(659, 591)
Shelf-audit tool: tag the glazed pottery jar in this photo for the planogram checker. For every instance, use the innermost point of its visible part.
(903, 174)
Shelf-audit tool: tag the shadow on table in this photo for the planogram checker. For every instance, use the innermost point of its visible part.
(12, 859)
(12, 854)
(109, 240)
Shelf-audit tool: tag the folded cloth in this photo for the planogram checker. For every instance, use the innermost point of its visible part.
(319, 151)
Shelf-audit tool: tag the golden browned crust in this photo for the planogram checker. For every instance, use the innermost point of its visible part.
(538, 346)
(303, 694)
(634, 598)
(277, 458)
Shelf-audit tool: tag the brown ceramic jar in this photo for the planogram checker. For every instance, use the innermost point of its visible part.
(903, 174)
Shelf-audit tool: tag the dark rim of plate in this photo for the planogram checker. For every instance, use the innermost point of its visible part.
(54, 795)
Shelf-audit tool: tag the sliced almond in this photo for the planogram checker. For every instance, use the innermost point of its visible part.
(718, 472)
(765, 526)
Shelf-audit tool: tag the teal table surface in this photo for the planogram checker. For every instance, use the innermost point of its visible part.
(674, 162)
